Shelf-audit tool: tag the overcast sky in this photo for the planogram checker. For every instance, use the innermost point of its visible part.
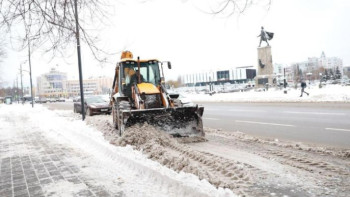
(180, 31)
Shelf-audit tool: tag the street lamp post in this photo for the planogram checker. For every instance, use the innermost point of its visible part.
(320, 86)
(210, 85)
(30, 74)
(79, 60)
(284, 81)
(21, 71)
(21, 81)
(17, 89)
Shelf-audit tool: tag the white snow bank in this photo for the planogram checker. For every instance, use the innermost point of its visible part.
(141, 176)
(329, 93)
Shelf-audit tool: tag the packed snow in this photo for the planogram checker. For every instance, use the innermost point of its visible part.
(102, 161)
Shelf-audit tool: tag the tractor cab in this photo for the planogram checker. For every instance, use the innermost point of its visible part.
(134, 73)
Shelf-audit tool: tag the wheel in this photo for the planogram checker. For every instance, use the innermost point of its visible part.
(88, 112)
(114, 114)
(122, 105)
(75, 109)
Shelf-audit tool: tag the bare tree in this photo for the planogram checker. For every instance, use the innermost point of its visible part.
(2, 56)
(53, 22)
(2, 53)
(2, 49)
(231, 7)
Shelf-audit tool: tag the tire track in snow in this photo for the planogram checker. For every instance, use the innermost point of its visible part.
(323, 171)
(167, 151)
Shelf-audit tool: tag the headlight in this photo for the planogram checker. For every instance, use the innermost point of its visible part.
(93, 106)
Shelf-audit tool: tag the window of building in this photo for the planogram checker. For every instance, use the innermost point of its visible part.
(223, 75)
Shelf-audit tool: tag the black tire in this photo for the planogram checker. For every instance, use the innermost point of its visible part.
(122, 105)
(114, 114)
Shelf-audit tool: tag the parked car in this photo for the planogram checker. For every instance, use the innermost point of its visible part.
(36, 99)
(93, 105)
(345, 81)
(8, 100)
(40, 100)
(52, 100)
(61, 99)
(75, 99)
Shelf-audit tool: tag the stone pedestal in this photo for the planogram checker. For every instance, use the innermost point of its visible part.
(265, 68)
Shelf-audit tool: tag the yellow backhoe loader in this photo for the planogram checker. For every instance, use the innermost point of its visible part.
(139, 95)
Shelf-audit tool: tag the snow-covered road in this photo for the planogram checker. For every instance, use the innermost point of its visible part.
(78, 161)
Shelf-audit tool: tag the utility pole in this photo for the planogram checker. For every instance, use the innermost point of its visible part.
(79, 60)
(17, 89)
(210, 88)
(21, 81)
(30, 74)
(284, 81)
(13, 90)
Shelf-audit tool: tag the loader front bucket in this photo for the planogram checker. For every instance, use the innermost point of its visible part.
(178, 121)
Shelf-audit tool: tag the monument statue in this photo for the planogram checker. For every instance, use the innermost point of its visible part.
(265, 76)
(264, 36)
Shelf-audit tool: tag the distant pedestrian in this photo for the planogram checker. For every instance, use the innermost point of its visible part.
(303, 86)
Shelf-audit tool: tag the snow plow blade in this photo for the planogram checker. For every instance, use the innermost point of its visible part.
(178, 121)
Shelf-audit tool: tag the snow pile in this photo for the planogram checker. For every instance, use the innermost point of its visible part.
(139, 174)
(329, 93)
(166, 150)
(139, 135)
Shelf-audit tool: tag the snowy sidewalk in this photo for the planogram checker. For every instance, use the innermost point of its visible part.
(43, 153)
(41, 168)
(329, 93)
(33, 165)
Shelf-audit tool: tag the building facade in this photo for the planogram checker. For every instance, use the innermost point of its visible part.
(52, 84)
(316, 67)
(232, 75)
(105, 84)
(92, 86)
(346, 71)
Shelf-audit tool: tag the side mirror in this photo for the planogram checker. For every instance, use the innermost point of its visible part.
(169, 65)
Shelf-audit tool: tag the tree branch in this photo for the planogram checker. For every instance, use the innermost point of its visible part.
(53, 22)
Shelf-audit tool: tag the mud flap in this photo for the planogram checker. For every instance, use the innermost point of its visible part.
(178, 121)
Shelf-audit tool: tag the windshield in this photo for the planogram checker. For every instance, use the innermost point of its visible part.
(94, 100)
(149, 72)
